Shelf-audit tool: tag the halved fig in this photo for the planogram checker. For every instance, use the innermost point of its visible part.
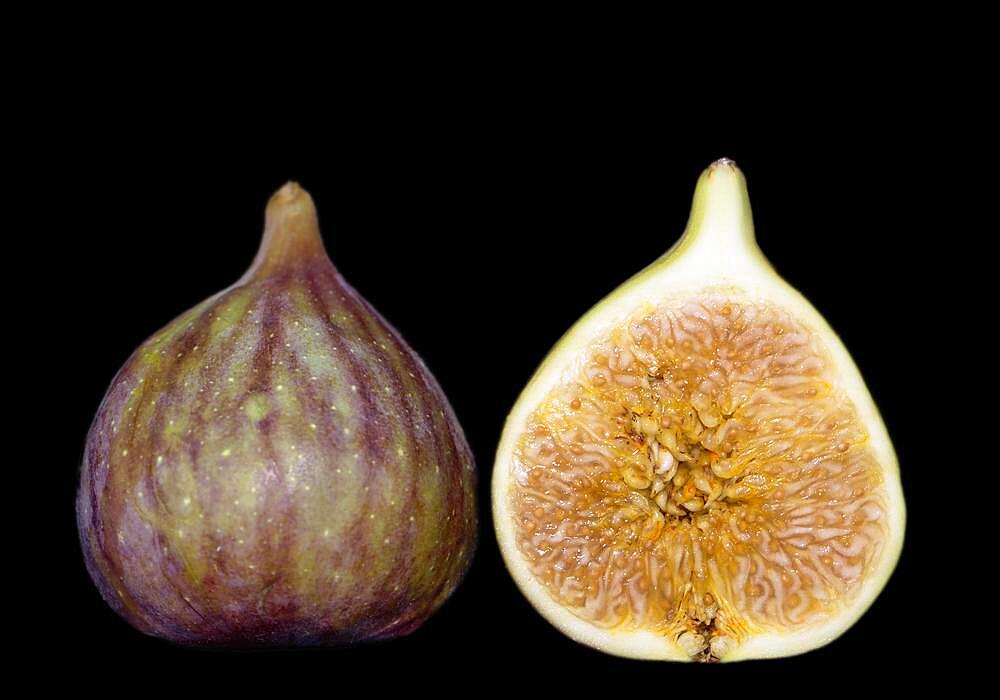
(697, 470)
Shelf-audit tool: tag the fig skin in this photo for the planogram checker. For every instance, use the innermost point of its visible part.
(277, 466)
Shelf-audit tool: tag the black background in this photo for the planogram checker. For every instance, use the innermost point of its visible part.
(482, 229)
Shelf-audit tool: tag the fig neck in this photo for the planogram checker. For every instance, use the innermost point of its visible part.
(291, 233)
(720, 233)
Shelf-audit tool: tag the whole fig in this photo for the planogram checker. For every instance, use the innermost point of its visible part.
(276, 466)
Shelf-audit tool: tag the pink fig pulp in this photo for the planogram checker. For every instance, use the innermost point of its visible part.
(277, 466)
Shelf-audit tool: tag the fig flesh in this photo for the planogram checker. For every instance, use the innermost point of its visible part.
(697, 470)
(276, 466)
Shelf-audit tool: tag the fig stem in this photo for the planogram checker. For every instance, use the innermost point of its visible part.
(720, 226)
(291, 232)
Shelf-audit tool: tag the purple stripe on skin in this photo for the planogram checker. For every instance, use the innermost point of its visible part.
(445, 443)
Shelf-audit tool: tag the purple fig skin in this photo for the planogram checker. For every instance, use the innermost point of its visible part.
(277, 466)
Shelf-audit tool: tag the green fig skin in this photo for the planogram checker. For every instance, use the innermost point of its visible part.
(277, 466)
